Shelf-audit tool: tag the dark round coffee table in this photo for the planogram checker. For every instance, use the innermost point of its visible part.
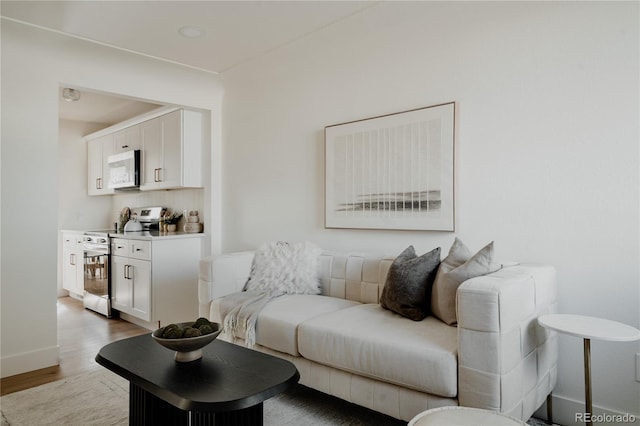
(226, 386)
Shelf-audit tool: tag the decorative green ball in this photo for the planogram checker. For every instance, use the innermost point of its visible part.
(191, 332)
(166, 329)
(172, 332)
(205, 329)
(201, 321)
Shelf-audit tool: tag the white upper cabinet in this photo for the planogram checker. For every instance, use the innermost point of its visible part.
(98, 173)
(127, 139)
(171, 151)
(170, 146)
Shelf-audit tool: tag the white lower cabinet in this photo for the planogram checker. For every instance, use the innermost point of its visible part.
(156, 281)
(132, 286)
(72, 263)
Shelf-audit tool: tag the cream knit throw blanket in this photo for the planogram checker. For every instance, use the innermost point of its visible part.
(278, 268)
(240, 312)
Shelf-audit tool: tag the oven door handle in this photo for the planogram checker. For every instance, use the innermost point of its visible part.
(93, 252)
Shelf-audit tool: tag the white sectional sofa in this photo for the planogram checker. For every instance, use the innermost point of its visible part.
(345, 344)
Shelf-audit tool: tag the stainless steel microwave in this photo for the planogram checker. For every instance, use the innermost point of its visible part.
(124, 170)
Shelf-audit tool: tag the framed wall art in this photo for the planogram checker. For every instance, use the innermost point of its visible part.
(392, 172)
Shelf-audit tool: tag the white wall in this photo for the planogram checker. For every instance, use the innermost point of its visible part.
(34, 64)
(76, 209)
(546, 151)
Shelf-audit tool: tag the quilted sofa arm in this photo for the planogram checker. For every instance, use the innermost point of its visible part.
(506, 361)
(221, 275)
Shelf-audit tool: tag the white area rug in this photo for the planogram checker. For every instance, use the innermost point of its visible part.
(101, 398)
(96, 398)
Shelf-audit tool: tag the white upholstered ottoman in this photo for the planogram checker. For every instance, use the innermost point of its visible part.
(463, 416)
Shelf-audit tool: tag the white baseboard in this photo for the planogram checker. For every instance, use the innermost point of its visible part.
(29, 361)
(565, 409)
(137, 321)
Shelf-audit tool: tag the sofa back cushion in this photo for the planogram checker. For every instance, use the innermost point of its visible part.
(353, 276)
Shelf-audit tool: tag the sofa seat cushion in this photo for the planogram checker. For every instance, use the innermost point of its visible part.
(277, 324)
(374, 342)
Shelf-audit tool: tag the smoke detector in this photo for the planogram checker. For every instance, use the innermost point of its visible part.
(70, 95)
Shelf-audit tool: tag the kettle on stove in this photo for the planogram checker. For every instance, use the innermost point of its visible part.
(133, 225)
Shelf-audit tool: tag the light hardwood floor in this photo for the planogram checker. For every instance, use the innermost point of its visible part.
(81, 334)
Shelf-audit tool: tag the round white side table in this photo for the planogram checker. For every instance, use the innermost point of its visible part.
(589, 328)
(463, 416)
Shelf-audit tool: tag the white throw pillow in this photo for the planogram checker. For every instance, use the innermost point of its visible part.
(285, 268)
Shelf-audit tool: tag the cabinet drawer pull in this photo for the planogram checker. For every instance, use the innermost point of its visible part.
(98, 183)
(156, 174)
(72, 259)
(125, 146)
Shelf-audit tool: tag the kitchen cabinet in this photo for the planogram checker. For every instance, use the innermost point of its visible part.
(72, 263)
(172, 151)
(131, 278)
(98, 150)
(127, 139)
(131, 291)
(170, 143)
(156, 281)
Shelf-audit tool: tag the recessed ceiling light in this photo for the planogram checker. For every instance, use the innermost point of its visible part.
(191, 31)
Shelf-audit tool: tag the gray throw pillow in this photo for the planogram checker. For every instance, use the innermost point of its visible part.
(460, 265)
(407, 289)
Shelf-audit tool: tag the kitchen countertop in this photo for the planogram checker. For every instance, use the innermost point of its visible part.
(154, 234)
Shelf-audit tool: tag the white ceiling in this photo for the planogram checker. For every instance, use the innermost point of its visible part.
(234, 32)
(101, 108)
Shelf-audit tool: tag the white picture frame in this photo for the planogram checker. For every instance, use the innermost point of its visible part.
(392, 172)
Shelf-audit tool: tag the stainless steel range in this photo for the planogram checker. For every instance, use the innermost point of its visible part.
(149, 217)
(97, 278)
